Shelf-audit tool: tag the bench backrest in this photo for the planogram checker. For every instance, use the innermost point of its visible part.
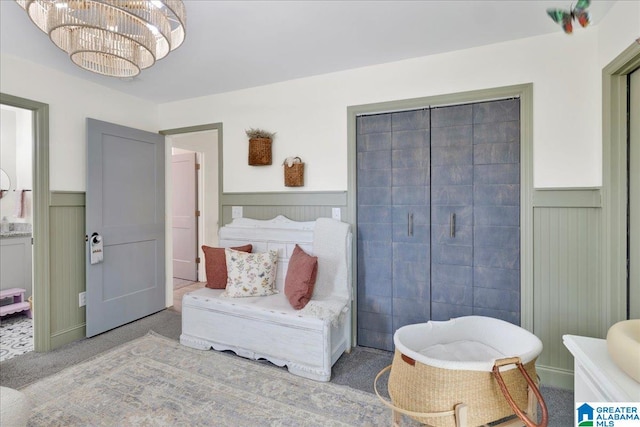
(282, 234)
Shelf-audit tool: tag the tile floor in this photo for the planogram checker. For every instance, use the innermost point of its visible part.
(16, 336)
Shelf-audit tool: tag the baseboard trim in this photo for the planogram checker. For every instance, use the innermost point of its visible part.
(555, 377)
(66, 336)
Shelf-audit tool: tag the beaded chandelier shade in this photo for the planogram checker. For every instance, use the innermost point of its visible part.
(117, 38)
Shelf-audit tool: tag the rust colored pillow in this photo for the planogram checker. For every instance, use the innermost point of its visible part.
(301, 278)
(216, 265)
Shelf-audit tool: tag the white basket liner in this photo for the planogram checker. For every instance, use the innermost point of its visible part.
(470, 343)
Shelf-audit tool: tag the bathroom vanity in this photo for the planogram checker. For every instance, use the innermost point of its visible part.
(16, 258)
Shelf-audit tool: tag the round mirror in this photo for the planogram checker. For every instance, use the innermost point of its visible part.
(5, 181)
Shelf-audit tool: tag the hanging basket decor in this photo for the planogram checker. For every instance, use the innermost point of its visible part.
(293, 172)
(259, 147)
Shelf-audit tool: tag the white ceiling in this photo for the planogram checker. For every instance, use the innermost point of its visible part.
(233, 45)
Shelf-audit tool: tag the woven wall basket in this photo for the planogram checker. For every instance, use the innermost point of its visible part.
(259, 151)
(294, 175)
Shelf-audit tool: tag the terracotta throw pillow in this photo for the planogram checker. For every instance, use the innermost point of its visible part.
(301, 278)
(216, 265)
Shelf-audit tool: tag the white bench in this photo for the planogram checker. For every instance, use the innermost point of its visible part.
(307, 341)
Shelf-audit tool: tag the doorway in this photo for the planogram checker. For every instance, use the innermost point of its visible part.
(205, 142)
(16, 278)
(39, 130)
(621, 301)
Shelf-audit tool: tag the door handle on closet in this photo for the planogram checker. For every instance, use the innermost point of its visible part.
(410, 224)
(452, 225)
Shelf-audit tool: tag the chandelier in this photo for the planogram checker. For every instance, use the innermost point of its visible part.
(117, 38)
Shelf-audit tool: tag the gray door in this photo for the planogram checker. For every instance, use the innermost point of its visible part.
(185, 221)
(125, 207)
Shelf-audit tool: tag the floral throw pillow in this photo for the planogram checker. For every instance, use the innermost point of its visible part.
(250, 274)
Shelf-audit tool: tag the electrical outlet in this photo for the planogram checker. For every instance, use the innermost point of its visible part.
(335, 213)
(82, 299)
(236, 212)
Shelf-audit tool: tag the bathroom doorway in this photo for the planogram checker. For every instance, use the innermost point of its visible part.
(16, 215)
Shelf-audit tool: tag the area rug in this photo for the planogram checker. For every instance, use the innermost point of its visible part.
(155, 381)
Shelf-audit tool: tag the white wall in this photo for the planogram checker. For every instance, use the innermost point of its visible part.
(618, 29)
(71, 101)
(309, 115)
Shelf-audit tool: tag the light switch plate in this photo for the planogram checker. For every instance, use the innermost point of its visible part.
(335, 213)
(82, 299)
(236, 212)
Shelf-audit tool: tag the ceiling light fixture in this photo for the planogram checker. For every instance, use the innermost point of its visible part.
(116, 38)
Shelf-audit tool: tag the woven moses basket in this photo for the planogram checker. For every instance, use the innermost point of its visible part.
(440, 365)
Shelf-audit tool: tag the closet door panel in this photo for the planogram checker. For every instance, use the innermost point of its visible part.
(507, 130)
(410, 120)
(497, 174)
(446, 311)
(411, 226)
(488, 277)
(497, 209)
(451, 116)
(452, 211)
(374, 196)
(507, 110)
(496, 153)
(497, 215)
(498, 195)
(498, 258)
(456, 255)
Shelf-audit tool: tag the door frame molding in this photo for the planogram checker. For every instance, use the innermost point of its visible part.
(40, 194)
(614, 183)
(522, 91)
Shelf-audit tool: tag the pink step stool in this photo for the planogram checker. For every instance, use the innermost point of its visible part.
(19, 304)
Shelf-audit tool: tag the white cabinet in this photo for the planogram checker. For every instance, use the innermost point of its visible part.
(15, 263)
(596, 376)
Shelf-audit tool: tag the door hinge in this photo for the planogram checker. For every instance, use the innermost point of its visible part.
(197, 213)
(198, 260)
(197, 166)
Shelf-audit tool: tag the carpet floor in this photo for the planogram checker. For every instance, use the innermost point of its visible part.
(159, 382)
(356, 369)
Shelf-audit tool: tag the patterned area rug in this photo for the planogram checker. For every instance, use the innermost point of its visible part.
(16, 336)
(154, 381)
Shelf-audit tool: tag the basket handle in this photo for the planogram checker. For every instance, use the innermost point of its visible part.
(505, 391)
(404, 411)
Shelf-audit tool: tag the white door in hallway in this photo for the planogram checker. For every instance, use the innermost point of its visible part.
(125, 208)
(185, 220)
